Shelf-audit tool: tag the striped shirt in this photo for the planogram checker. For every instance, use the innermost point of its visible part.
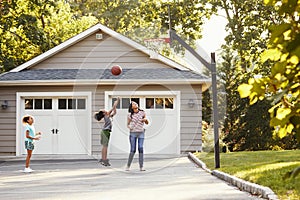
(136, 125)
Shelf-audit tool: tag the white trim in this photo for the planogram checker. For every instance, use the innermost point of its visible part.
(18, 124)
(178, 103)
(106, 82)
(57, 49)
(87, 33)
(53, 94)
(141, 93)
(145, 93)
(205, 82)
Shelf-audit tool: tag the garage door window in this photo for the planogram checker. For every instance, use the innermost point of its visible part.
(125, 102)
(71, 104)
(38, 104)
(159, 103)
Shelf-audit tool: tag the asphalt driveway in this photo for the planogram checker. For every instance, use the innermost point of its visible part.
(166, 178)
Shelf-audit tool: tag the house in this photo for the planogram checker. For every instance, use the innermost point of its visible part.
(63, 88)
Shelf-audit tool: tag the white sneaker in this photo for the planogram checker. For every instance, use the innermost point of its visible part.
(28, 170)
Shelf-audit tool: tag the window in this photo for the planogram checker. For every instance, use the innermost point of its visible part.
(38, 104)
(80, 104)
(28, 104)
(124, 102)
(149, 103)
(71, 104)
(62, 104)
(169, 103)
(159, 103)
(47, 104)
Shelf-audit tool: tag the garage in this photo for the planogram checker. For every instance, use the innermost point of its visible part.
(63, 120)
(162, 135)
(64, 86)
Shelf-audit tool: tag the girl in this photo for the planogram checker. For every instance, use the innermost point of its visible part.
(135, 122)
(30, 136)
(107, 127)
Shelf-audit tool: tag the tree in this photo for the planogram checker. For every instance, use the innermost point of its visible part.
(143, 19)
(282, 85)
(29, 28)
(246, 40)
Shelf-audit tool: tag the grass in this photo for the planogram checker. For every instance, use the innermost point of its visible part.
(265, 168)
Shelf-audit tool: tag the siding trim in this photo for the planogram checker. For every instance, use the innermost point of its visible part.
(206, 82)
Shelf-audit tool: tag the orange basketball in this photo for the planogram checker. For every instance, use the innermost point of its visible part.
(116, 70)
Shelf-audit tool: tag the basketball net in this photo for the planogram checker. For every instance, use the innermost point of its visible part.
(155, 45)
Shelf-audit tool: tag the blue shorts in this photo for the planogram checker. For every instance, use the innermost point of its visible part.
(29, 145)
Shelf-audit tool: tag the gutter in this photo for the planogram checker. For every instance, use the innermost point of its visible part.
(206, 82)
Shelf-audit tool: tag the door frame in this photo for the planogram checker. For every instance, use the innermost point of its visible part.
(20, 95)
(177, 94)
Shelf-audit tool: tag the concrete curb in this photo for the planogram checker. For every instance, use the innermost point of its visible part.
(255, 189)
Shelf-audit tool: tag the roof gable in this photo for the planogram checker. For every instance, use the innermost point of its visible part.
(80, 37)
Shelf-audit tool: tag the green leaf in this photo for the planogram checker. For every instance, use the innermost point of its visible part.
(279, 67)
(272, 54)
(282, 132)
(275, 122)
(282, 113)
(244, 90)
(290, 128)
(294, 60)
(280, 29)
(269, 2)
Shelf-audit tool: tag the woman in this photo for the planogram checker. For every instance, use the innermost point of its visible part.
(135, 122)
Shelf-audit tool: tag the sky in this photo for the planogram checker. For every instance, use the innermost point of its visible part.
(213, 34)
(213, 37)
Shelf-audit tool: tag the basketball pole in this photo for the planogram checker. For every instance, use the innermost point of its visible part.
(212, 68)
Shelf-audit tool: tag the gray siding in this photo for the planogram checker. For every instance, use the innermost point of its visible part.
(99, 54)
(8, 122)
(191, 119)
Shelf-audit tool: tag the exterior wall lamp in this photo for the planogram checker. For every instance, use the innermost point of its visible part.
(191, 103)
(4, 104)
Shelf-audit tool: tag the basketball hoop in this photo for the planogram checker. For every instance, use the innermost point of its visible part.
(155, 45)
(165, 40)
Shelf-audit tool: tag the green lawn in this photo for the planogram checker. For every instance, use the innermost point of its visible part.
(265, 168)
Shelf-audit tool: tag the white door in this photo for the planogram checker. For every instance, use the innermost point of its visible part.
(161, 135)
(63, 122)
(72, 133)
(44, 122)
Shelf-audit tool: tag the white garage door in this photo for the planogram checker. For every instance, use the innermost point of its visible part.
(161, 135)
(63, 120)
